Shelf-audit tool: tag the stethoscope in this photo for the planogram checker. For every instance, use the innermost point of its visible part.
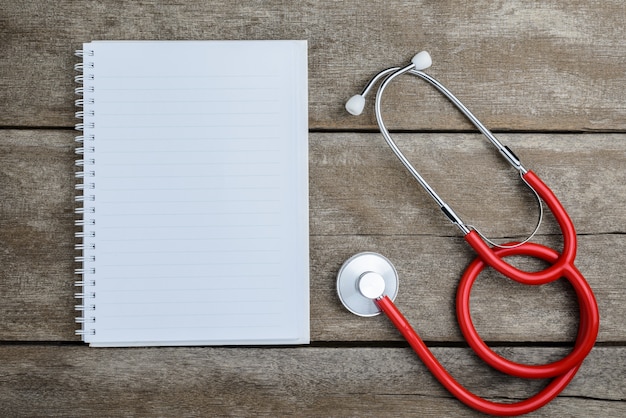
(367, 283)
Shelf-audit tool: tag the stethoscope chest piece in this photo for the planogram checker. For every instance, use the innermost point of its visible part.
(363, 278)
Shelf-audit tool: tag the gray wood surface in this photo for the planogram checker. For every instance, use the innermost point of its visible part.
(542, 72)
(540, 66)
(359, 381)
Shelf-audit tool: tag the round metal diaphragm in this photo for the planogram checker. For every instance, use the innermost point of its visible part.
(359, 282)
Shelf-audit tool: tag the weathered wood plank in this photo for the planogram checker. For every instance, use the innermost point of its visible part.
(36, 237)
(36, 234)
(429, 270)
(359, 186)
(78, 381)
(518, 66)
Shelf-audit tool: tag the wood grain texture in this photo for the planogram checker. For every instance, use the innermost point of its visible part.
(78, 381)
(36, 234)
(361, 200)
(517, 65)
(359, 187)
(429, 271)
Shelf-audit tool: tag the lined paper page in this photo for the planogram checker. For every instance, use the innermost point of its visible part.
(201, 187)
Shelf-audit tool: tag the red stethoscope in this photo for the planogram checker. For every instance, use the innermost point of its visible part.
(367, 283)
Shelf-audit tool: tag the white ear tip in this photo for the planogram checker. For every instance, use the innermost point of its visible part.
(422, 61)
(355, 104)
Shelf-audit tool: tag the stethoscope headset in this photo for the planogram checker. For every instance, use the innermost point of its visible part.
(367, 283)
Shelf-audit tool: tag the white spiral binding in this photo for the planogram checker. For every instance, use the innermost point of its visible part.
(85, 189)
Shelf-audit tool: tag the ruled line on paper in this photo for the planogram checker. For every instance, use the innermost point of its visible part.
(183, 138)
(194, 327)
(190, 114)
(193, 88)
(177, 76)
(156, 277)
(157, 126)
(157, 101)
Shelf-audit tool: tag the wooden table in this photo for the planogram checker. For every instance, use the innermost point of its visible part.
(548, 77)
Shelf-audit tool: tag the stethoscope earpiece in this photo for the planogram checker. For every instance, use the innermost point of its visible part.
(355, 104)
(422, 61)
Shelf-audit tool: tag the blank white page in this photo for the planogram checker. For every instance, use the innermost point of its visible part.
(195, 193)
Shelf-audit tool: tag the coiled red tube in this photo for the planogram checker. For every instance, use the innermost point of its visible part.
(562, 371)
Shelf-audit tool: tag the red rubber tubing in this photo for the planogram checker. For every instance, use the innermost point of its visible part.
(562, 371)
(560, 266)
(587, 329)
(555, 270)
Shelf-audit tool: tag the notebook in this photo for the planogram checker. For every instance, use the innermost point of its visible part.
(193, 193)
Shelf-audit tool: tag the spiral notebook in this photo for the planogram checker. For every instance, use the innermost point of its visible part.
(193, 193)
